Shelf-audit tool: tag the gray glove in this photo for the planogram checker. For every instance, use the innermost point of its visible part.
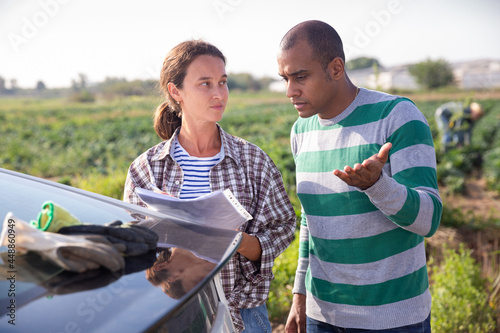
(73, 253)
(129, 238)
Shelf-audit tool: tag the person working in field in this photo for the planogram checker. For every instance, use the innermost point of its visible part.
(362, 263)
(455, 121)
(198, 157)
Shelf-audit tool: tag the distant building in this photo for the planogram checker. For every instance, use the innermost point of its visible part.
(277, 86)
(477, 74)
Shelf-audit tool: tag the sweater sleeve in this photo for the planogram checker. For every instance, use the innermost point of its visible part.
(303, 263)
(407, 191)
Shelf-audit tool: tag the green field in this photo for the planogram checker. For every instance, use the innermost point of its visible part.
(91, 145)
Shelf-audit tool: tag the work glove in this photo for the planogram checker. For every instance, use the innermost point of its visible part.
(52, 217)
(73, 253)
(129, 238)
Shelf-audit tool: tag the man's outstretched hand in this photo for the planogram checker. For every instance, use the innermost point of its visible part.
(367, 173)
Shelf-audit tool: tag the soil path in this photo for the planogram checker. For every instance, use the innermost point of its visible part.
(477, 200)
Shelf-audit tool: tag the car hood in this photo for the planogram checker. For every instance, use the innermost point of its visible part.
(37, 296)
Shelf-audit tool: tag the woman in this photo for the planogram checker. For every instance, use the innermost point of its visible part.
(198, 157)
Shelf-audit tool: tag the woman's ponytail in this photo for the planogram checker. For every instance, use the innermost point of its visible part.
(166, 121)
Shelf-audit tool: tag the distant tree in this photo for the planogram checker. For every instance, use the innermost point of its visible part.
(83, 80)
(40, 86)
(362, 62)
(265, 82)
(80, 92)
(13, 85)
(113, 86)
(3, 88)
(80, 84)
(432, 74)
(74, 85)
(112, 80)
(243, 81)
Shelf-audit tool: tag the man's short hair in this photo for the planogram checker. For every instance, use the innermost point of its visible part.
(324, 41)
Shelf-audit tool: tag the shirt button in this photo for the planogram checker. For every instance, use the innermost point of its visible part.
(177, 182)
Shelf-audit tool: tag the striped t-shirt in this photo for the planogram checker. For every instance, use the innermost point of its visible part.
(196, 171)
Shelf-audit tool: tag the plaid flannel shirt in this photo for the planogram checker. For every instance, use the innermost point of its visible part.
(257, 184)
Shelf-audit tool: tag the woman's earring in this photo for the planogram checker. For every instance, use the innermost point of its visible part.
(179, 112)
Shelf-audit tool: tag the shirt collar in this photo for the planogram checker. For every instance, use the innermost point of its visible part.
(167, 148)
(227, 140)
(229, 143)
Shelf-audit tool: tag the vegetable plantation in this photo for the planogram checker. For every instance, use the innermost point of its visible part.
(91, 145)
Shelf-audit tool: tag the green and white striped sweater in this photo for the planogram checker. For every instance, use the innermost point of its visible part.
(362, 258)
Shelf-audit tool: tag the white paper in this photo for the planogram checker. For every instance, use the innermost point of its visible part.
(218, 209)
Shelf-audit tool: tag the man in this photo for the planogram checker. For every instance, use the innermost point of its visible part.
(362, 262)
(455, 121)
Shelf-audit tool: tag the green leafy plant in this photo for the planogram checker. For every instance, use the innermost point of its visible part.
(492, 169)
(280, 295)
(456, 165)
(109, 184)
(460, 302)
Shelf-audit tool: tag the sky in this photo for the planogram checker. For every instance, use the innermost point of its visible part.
(55, 40)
